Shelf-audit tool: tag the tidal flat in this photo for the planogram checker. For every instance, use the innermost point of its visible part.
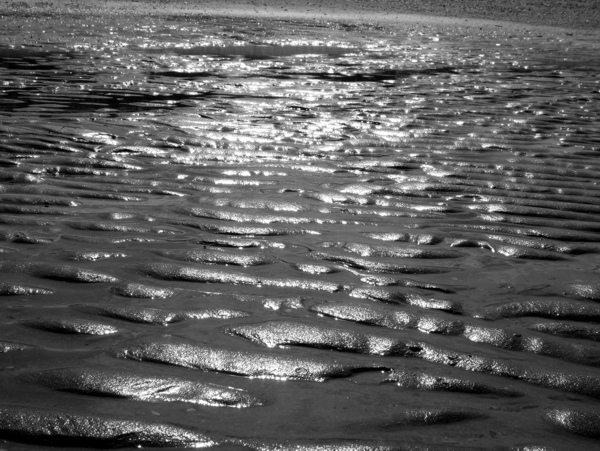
(285, 233)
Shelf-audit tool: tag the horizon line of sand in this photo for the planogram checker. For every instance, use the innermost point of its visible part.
(574, 14)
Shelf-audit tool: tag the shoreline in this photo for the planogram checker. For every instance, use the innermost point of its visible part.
(583, 15)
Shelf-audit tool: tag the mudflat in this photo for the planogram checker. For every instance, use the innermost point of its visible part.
(580, 14)
(324, 225)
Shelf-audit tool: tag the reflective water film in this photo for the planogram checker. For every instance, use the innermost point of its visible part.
(287, 235)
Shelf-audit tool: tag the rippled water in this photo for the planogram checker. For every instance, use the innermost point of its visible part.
(358, 237)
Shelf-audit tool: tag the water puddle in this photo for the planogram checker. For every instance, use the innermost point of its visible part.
(255, 51)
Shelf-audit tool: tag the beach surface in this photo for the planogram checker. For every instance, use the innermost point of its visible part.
(344, 226)
(578, 14)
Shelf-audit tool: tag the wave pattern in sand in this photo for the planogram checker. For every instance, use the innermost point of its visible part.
(287, 235)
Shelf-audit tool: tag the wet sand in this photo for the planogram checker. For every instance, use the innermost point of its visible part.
(247, 228)
(580, 14)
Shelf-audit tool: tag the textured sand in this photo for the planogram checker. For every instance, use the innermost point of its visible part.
(577, 14)
(409, 211)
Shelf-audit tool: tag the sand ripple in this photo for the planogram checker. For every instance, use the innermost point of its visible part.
(354, 236)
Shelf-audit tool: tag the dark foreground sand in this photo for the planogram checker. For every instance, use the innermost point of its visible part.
(578, 14)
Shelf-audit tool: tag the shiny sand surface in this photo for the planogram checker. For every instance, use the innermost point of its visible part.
(278, 230)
